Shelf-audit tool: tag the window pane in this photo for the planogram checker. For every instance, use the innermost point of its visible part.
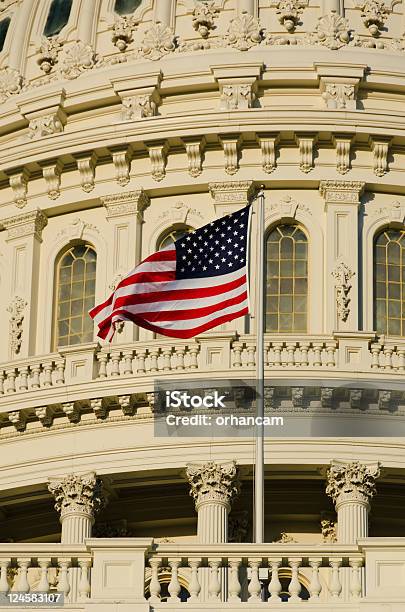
(389, 279)
(4, 24)
(287, 282)
(125, 7)
(173, 235)
(75, 296)
(58, 17)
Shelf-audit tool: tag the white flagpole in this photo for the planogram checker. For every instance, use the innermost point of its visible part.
(259, 454)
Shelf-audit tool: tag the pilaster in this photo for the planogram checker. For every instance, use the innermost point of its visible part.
(230, 196)
(24, 236)
(342, 201)
(124, 212)
(78, 498)
(352, 486)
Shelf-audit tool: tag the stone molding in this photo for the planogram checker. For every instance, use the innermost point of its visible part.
(348, 192)
(28, 224)
(213, 483)
(77, 494)
(127, 203)
(352, 482)
(226, 193)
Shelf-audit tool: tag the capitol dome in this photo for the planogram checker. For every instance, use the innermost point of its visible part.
(124, 125)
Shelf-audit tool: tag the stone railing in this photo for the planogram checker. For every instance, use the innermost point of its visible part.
(117, 572)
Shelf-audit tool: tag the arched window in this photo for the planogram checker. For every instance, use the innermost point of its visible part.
(287, 280)
(4, 25)
(389, 282)
(126, 7)
(75, 292)
(58, 16)
(175, 233)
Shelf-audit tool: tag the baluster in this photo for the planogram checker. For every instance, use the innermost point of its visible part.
(102, 370)
(194, 586)
(254, 587)
(115, 361)
(23, 384)
(275, 584)
(375, 356)
(167, 352)
(277, 347)
(43, 585)
(47, 373)
(11, 376)
(330, 354)
(315, 585)
(154, 586)
(388, 358)
(304, 346)
(355, 581)
(317, 346)
(84, 583)
(214, 586)
(251, 351)
(141, 355)
(291, 353)
(194, 350)
(267, 354)
(63, 583)
(237, 354)
(174, 587)
(22, 581)
(60, 371)
(335, 585)
(4, 586)
(36, 371)
(128, 362)
(153, 354)
(180, 351)
(234, 584)
(294, 587)
(401, 359)
(2, 379)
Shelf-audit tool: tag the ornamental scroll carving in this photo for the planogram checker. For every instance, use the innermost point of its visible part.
(204, 14)
(16, 310)
(80, 494)
(244, 32)
(342, 275)
(352, 481)
(213, 482)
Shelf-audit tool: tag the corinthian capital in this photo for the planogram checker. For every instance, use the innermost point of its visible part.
(213, 482)
(77, 494)
(353, 481)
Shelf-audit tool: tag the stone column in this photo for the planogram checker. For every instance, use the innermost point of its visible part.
(78, 499)
(24, 237)
(124, 212)
(213, 487)
(342, 201)
(352, 486)
(164, 12)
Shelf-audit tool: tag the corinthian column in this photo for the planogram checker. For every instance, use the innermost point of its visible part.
(352, 486)
(213, 486)
(78, 499)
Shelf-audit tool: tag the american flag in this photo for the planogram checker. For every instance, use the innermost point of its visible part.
(196, 283)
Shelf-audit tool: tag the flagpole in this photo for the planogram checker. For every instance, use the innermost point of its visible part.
(259, 446)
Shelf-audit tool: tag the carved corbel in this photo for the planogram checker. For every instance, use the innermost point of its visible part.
(158, 151)
(384, 399)
(355, 398)
(195, 150)
(47, 125)
(231, 144)
(45, 415)
(326, 397)
(126, 405)
(306, 151)
(238, 87)
(19, 419)
(268, 143)
(86, 165)
(139, 98)
(122, 165)
(342, 143)
(98, 406)
(380, 147)
(72, 411)
(297, 396)
(19, 186)
(52, 174)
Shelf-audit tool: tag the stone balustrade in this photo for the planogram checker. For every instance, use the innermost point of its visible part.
(157, 575)
(93, 380)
